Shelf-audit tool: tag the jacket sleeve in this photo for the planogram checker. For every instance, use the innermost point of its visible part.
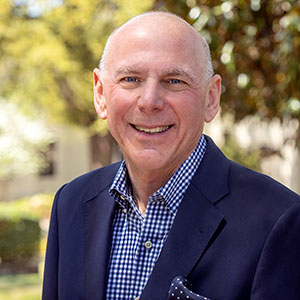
(50, 283)
(278, 272)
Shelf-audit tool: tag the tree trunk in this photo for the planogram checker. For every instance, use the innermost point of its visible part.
(4, 189)
(104, 150)
(296, 168)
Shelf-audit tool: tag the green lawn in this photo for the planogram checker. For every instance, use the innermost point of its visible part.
(20, 287)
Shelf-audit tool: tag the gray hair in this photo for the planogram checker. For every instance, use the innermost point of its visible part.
(209, 68)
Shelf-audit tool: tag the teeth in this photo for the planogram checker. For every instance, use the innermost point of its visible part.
(153, 130)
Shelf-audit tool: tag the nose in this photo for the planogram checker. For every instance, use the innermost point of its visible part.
(151, 99)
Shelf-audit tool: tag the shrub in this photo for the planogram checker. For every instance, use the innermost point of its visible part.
(20, 234)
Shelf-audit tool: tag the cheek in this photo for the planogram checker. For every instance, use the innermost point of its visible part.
(119, 109)
(120, 100)
(115, 106)
(190, 113)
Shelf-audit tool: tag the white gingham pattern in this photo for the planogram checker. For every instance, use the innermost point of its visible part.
(131, 262)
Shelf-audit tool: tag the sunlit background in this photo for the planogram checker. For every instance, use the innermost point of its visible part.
(49, 131)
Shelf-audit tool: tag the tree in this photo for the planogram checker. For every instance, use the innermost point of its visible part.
(48, 53)
(48, 49)
(256, 47)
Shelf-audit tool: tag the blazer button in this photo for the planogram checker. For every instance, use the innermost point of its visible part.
(148, 245)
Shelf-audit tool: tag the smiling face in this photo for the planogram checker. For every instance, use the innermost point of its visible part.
(154, 94)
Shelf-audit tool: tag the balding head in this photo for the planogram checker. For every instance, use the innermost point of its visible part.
(160, 23)
(155, 92)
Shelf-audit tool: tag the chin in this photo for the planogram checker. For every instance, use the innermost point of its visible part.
(153, 162)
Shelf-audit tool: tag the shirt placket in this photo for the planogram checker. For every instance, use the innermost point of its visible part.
(135, 224)
(147, 247)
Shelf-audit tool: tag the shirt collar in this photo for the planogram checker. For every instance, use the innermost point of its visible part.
(172, 192)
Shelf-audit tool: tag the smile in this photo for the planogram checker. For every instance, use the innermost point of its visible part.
(153, 130)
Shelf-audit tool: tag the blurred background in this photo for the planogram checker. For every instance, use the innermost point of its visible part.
(50, 133)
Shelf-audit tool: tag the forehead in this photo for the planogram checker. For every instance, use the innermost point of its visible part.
(160, 44)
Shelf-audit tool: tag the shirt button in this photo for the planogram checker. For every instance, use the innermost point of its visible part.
(137, 298)
(125, 211)
(148, 245)
(122, 197)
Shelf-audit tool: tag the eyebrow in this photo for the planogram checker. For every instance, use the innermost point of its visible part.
(179, 72)
(125, 70)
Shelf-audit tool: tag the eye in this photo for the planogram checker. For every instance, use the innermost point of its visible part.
(175, 84)
(175, 81)
(130, 79)
(130, 82)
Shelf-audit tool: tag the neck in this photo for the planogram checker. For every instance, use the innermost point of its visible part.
(144, 184)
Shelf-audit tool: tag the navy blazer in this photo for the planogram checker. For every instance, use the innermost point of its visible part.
(236, 236)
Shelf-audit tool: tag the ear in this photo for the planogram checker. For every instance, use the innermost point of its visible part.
(99, 99)
(213, 98)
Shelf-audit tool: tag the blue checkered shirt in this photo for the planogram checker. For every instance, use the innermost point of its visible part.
(136, 240)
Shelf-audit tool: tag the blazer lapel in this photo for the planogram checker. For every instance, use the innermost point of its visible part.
(98, 218)
(195, 226)
(186, 243)
(98, 231)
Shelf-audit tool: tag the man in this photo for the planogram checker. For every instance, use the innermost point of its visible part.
(176, 207)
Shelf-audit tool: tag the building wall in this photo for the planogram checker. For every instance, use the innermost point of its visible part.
(275, 136)
(71, 158)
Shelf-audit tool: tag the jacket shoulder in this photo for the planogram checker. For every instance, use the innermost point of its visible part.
(247, 181)
(90, 184)
(243, 186)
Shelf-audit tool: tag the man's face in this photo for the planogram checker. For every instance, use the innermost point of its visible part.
(155, 97)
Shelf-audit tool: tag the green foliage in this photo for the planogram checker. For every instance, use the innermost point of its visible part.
(46, 58)
(47, 55)
(19, 237)
(250, 158)
(20, 232)
(20, 287)
(255, 47)
(37, 206)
